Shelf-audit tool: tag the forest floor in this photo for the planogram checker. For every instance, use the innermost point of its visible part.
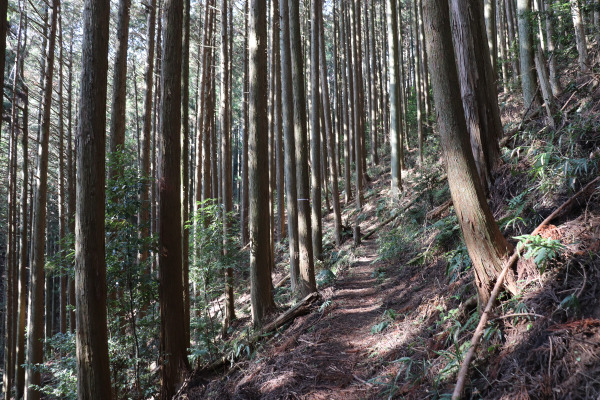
(397, 318)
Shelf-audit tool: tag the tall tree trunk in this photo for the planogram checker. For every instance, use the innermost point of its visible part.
(486, 245)
(337, 214)
(226, 180)
(513, 44)
(173, 351)
(315, 130)
(358, 103)
(346, 113)
(418, 78)
(501, 17)
(477, 86)
(119, 84)
(578, 24)
(261, 257)
(62, 212)
(394, 90)
(307, 282)
(289, 143)
(552, 69)
(23, 274)
(3, 28)
(35, 325)
(93, 372)
(145, 207)
(185, 168)
(370, 13)
(71, 167)
(528, 78)
(245, 202)
(489, 11)
(15, 293)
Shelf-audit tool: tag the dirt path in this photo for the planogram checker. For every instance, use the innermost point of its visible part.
(319, 356)
(323, 355)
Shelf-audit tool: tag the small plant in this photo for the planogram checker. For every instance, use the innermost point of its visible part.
(541, 249)
(325, 305)
(379, 274)
(458, 262)
(380, 327)
(325, 277)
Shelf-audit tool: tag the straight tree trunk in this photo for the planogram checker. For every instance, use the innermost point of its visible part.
(528, 78)
(119, 84)
(71, 167)
(347, 128)
(93, 372)
(173, 351)
(3, 28)
(477, 79)
(315, 130)
(144, 216)
(395, 106)
(277, 124)
(513, 44)
(289, 143)
(486, 245)
(418, 78)
(62, 212)
(307, 282)
(578, 24)
(261, 257)
(552, 69)
(337, 214)
(35, 325)
(489, 11)
(226, 180)
(185, 168)
(501, 16)
(358, 104)
(373, 82)
(13, 300)
(23, 274)
(245, 202)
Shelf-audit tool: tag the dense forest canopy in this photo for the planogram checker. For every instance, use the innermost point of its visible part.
(184, 181)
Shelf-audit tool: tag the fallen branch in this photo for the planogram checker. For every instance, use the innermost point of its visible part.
(281, 282)
(300, 308)
(464, 368)
(439, 210)
(390, 219)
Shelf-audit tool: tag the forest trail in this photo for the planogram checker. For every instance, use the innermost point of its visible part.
(366, 319)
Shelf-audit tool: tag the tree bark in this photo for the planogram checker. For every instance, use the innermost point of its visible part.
(185, 167)
(289, 143)
(23, 273)
(144, 216)
(552, 69)
(395, 106)
(418, 78)
(261, 257)
(93, 372)
(35, 325)
(315, 130)
(489, 11)
(173, 351)
(226, 165)
(528, 78)
(578, 24)
(307, 282)
(486, 245)
(477, 86)
(337, 215)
